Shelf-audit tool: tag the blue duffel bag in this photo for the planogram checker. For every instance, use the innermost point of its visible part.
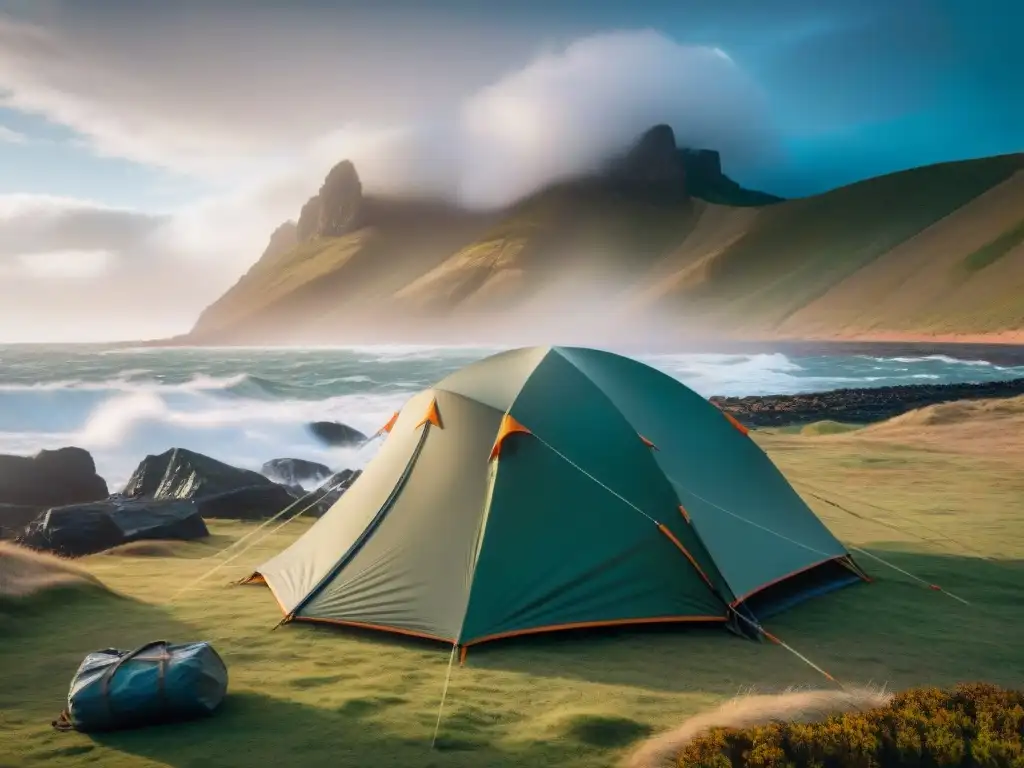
(157, 683)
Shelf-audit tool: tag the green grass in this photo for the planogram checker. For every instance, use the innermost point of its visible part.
(993, 251)
(308, 695)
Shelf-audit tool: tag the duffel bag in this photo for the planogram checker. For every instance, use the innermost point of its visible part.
(156, 683)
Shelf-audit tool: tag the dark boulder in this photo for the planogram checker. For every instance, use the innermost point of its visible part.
(337, 434)
(183, 474)
(219, 490)
(84, 529)
(50, 479)
(14, 518)
(253, 502)
(338, 483)
(295, 471)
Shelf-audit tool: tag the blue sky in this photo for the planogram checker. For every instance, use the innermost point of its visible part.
(856, 88)
(161, 143)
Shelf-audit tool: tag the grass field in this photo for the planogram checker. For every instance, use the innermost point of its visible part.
(305, 695)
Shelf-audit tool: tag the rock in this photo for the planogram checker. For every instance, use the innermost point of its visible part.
(343, 481)
(249, 503)
(336, 209)
(84, 529)
(50, 479)
(183, 474)
(282, 240)
(295, 471)
(652, 167)
(705, 179)
(337, 434)
(654, 160)
(857, 406)
(14, 518)
(309, 220)
(341, 198)
(219, 490)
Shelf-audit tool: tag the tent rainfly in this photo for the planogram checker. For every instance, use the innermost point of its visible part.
(554, 488)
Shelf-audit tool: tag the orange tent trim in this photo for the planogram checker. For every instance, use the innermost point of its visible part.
(679, 545)
(596, 625)
(432, 417)
(391, 423)
(684, 513)
(648, 443)
(509, 425)
(376, 627)
(735, 423)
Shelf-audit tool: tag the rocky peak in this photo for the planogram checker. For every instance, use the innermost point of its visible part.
(282, 240)
(653, 164)
(653, 158)
(336, 209)
(702, 164)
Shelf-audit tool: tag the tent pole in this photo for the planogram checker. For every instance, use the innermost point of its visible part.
(444, 693)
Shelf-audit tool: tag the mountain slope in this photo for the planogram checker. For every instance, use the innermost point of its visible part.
(932, 250)
(812, 251)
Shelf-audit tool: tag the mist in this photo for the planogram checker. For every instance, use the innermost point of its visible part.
(562, 113)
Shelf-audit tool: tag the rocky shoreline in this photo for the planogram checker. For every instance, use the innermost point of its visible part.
(857, 406)
(56, 502)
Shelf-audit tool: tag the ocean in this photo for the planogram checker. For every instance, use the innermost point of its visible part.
(246, 406)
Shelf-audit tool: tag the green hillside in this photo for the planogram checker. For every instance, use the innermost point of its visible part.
(806, 247)
(932, 250)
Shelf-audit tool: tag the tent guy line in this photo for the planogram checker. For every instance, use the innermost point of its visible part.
(764, 528)
(934, 587)
(756, 626)
(947, 541)
(191, 585)
(434, 542)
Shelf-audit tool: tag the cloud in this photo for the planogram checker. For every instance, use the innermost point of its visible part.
(66, 265)
(10, 136)
(39, 224)
(263, 130)
(204, 90)
(561, 115)
(566, 112)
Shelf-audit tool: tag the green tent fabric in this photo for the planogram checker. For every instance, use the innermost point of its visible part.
(550, 488)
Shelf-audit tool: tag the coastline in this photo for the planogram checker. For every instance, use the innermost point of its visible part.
(863, 405)
(1012, 338)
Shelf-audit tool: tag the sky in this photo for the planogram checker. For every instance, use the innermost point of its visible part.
(147, 150)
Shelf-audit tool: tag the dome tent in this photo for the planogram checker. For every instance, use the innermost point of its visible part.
(550, 488)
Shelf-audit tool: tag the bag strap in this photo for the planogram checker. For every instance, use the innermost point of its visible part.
(108, 676)
(64, 723)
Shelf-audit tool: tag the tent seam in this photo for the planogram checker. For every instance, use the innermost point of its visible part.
(657, 467)
(373, 524)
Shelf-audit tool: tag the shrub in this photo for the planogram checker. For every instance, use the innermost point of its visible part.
(973, 726)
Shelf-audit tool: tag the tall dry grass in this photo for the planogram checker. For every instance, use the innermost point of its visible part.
(752, 710)
(25, 573)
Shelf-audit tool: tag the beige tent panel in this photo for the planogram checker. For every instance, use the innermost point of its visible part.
(414, 571)
(496, 380)
(293, 573)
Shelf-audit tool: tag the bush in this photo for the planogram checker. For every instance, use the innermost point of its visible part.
(973, 726)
